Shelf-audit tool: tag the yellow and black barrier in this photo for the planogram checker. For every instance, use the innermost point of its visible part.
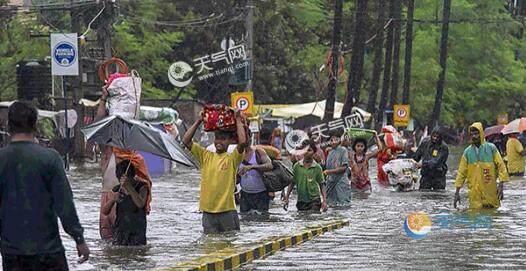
(230, 258)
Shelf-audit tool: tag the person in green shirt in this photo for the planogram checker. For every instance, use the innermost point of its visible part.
(308, 176)
(218, 176)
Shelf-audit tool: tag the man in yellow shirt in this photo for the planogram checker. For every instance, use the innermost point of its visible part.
(515, 153)
(218, 177)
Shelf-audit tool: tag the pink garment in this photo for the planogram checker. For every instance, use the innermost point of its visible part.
(106, 222)
(115, 76)
(109, 180)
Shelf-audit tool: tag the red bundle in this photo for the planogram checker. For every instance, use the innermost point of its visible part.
(394, 141)
(219, 117)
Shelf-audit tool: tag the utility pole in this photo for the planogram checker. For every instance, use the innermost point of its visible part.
(249, 24)
(435, 117)
(105, 28)
(335, 55)
(78, 92)
(408, 50)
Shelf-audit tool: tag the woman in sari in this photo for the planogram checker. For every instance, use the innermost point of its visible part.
(338, 189)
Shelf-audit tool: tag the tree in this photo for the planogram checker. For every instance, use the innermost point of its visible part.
(378, 54)
(335, 55)
(435, 117)
(397, 17)
(387, 68)
(357, 57)
(408, 50)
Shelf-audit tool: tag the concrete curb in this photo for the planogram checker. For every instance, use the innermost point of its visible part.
(231, 258)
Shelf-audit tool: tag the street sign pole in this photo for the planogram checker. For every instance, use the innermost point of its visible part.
(65, 61)
(66, 128)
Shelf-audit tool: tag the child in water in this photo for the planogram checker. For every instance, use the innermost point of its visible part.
(359, 164)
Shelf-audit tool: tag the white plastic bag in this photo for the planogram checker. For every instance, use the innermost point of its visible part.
(125, 96)
(401, 171)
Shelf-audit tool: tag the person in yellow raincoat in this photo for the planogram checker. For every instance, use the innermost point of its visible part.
(480, 165)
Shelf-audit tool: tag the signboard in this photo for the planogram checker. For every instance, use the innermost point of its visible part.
(244, 101)
(64, 54)
(401, 115)
(254, 126)
(502, 119)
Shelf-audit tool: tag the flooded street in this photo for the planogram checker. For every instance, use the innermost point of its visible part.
(375, 239)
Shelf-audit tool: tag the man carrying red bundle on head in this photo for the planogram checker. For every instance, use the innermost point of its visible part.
(219, 168)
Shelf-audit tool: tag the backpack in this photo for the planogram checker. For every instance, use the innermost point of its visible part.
(278, 178)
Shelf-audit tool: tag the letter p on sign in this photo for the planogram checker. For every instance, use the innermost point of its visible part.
(243, 101)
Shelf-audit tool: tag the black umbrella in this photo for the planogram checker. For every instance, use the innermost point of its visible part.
(130, 134)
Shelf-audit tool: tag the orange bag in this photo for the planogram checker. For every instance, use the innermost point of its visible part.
(141, 171)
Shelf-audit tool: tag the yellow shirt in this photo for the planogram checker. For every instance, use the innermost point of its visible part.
(515, 159)
(218, 178)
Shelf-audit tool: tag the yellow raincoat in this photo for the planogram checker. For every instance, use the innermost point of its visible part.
(480, 167)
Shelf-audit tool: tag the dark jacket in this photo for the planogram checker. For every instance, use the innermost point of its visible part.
(34, 190)
(434, 156)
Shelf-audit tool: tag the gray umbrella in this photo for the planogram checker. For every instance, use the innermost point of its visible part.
(129, 134)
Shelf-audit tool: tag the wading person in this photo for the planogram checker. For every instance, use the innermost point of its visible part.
(130, 198)
(432, 156)
(218, 177)
(109, 158)
(308, 177)
(338, 188)
(34, 190)
(515, 154)
(359, 165)
(254, 195)
(481, 165)
(383, 157)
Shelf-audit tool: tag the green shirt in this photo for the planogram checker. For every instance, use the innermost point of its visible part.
(308, 180)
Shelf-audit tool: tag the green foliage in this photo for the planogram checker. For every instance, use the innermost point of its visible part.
(146, 48)
(17, 45)
(484, 77)
(485, 68)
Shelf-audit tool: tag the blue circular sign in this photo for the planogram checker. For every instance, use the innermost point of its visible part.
(64, 54)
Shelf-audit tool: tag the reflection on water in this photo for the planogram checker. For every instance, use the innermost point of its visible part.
(374, 240)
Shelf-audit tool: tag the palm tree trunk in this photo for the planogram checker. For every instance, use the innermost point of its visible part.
(435, 117)
(387, 70)
(378, 54)
(357, 58)
(333, 76)
(408, 50)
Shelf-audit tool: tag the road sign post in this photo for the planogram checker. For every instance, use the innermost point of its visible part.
(64, 62)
